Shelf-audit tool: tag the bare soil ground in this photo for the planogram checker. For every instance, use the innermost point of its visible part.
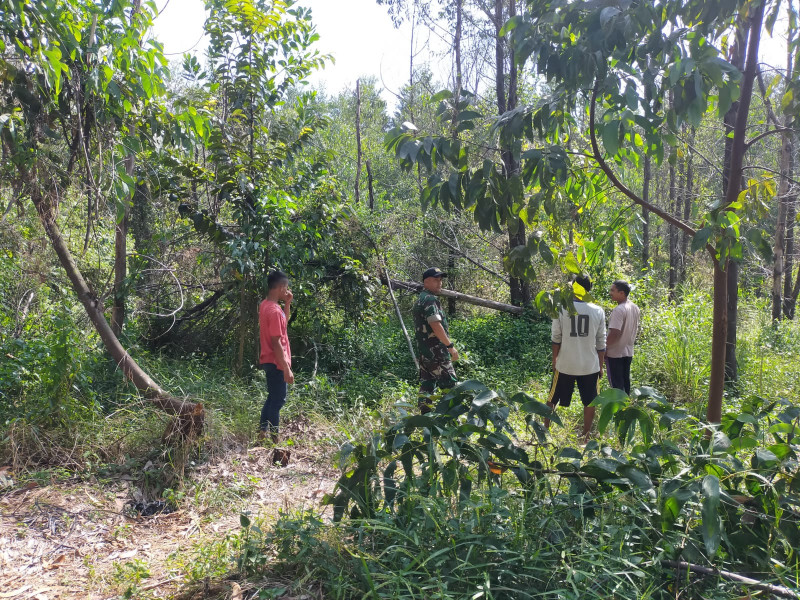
(81, 539)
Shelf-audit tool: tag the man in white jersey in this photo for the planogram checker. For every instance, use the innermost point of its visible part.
(623, 325)
(579, 344)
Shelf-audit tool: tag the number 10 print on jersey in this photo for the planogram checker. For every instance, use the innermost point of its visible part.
(582, 329)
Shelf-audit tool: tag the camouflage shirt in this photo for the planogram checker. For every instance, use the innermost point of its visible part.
(426, 310)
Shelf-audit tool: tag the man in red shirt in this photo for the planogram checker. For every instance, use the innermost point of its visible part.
(276, 355)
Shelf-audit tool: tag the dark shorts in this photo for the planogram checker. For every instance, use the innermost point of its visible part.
(563, 386)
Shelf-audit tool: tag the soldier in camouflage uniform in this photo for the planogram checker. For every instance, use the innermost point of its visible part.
(436, 350)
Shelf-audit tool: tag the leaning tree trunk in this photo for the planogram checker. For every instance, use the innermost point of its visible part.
(189, 415)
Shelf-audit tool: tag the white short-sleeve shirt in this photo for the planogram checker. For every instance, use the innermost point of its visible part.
(581, 336)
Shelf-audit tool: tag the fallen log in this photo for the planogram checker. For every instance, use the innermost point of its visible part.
(417, 287)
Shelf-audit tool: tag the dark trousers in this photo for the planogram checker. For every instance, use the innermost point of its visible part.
(619, 372)
(276, 397)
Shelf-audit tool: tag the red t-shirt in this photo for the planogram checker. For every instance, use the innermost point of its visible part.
(271, 323)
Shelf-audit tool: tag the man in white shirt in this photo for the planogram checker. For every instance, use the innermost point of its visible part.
(579, 343)
(623, 325)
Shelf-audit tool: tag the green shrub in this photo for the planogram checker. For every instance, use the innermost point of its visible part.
(453, 505)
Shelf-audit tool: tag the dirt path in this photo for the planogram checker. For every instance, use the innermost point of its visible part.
(81, 540)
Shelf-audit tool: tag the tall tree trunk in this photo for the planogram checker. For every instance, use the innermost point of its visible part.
(735, 174)
(687, 202)
(646, 177)
(791, 215)
(678, 212)
(731, 186)
(121, 238)
(369, 186)
(520, 289)
(782, 251)
(190, 414)
(451, 257)
(121, 260)
(645, 214)
(779, 261)
(673, 235)
(358, 139)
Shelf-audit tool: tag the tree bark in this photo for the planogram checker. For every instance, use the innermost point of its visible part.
(782, 251)
(791, 215)
(687, 203)
(121, 260)
(779, 261)
(520, 290)
(190, 414)
(417, 287)
(645, 214)
(369, 186)
(673, 236)
(731, 186)
(358, 139)
(121, 237)
(735, 171)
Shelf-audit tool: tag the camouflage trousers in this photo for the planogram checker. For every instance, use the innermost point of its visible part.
(433, 373)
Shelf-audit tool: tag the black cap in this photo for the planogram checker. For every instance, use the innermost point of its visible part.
(433, 272)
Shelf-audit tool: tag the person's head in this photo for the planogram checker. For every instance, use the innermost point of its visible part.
(585, 282)
(432, 279)
(619, 291)
(277, 283)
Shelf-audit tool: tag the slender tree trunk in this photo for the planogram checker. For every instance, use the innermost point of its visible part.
(451, 256)
(121, 238)
(646, 177)
(723, 327)
(121, 261)
(779, 262)
(680, 198)
(782, 251)
(673, 235)
(793, 296)
(358, 139)
(519, 288)
(687, 203)
(716, 387)
(791, 215)
(369, 186)
(645, 215)
(731, 186)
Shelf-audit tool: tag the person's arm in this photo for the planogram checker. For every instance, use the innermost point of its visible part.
(555, 338)
(287, 305)
(613, 337)
(441, 335)
(280, 359)
(600, 342)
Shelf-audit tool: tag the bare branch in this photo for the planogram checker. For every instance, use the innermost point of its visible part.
(598, 157)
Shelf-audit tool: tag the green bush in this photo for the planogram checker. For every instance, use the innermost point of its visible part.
(453, 504)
